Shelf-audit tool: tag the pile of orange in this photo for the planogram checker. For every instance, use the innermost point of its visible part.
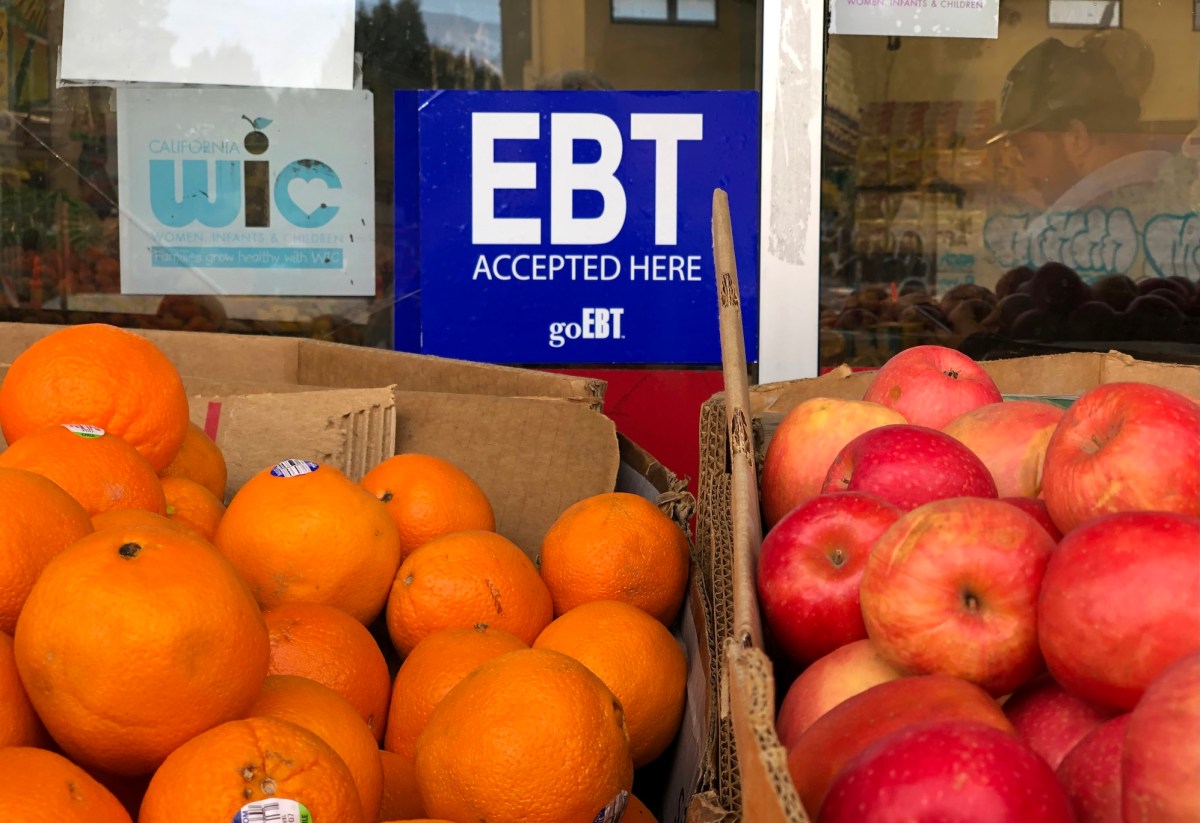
(164, 649)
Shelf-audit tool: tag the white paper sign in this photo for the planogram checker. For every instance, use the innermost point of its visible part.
(246, 191)
(916, 18)
(293, 44)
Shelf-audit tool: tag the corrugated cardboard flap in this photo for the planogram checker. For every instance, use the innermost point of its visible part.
(332, 364)
(560, 450)
(264, 359)
(768, 794)
(352, 429)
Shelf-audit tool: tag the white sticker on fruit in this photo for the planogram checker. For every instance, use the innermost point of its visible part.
(294, 468)
(273, 811)
(84, 431)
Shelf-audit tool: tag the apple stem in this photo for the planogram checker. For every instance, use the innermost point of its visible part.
(837, 558)
(971, 602)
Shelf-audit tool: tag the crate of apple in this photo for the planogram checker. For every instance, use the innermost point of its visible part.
(994, 604)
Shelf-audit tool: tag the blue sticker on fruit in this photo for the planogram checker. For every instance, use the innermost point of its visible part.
(273, 811)
(294, 468)
(614, 811)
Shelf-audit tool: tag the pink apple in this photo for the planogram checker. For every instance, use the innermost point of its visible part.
(1010, 438)
(805, 443)
(1052, 720)
(909, 466)
(1124, 447)
(1035, 507)
(952, 588)
(931, 385)
(1091, 773)
(946, 770)
(1119, 603)
(839, 675)
(1160, 764)
(817, 756)
(810, 568)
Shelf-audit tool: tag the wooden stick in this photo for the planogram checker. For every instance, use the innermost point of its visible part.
(747, 528)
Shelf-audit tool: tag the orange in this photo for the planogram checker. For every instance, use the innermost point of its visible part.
(38, 785)
(464, 579)
(401, 800)
(193, 506)
(304, 533)
(330, 717)
(616, 546)
(331, 647)
(637, 658)
(419, 820)
(132, 518)
(37, 521)
(213, 776)
(19, 723)
(428, 497)
(529, 737)
(200, 460)
(98, 469)
(100, 375)
(636, 812)
(438, 664)
(135, 640)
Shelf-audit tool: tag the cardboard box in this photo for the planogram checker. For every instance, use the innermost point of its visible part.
(534, 441)
(753, 783)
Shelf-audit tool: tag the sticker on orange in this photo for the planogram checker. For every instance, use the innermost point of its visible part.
(294, 468)
(273, 811)
(84, 431)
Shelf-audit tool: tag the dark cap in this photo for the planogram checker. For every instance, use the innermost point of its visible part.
(1053, 79)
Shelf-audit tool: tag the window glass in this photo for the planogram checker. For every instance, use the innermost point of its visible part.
(1032, 193)
(640, 10)
(60, 252)
(697, 11)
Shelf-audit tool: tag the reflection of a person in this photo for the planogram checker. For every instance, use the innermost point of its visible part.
(1072, 113)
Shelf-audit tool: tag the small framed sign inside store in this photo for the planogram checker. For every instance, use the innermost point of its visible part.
(916, 18)
(575, 227)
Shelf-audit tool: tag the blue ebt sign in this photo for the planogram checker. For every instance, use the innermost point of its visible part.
(576, 227)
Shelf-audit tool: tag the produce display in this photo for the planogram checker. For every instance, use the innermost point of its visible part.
(305, 647)
(991, 606)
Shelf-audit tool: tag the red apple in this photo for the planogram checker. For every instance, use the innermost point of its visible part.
(1120, 602)
(838, 676)
(909, 466)
(854, 724)
(1010, 438)
(810, 568)
(931, 385)
(947, 770)
(1035, 507)
(1091, 773)
(1052, 720)
(1124, 447)
(1160, 763)
(952, 588)
(805, 443)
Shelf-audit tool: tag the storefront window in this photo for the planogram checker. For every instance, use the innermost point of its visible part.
(61, 256)
(1032, 193)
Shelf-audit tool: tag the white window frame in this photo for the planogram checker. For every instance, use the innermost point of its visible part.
(793, 79)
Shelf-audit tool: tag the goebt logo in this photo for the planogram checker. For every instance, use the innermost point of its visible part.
(215, 193)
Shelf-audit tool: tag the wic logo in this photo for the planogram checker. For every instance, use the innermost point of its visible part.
(234, 183)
